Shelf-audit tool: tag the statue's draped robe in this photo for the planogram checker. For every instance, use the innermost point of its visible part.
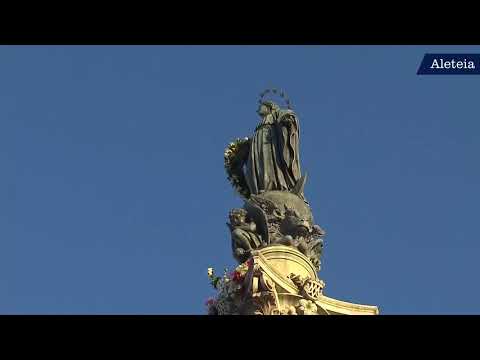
(273, 160)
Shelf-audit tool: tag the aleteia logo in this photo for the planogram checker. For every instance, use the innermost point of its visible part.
(450, 64)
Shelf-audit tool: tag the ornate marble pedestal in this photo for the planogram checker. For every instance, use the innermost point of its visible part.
(278, 280)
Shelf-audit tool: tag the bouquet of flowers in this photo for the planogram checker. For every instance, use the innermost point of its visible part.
(229, 289)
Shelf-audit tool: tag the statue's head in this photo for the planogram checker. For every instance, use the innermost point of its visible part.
(238, 216)
(267, 107)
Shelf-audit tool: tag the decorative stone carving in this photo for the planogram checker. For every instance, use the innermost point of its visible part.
(276, 280)
(306, 307)
(311, 289)
(276, 217)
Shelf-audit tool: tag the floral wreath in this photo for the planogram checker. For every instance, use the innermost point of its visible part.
(235, 157)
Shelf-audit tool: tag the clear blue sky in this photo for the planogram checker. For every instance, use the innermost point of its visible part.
(113, 195)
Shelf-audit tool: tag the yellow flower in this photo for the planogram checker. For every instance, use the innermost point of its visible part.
(210, 272)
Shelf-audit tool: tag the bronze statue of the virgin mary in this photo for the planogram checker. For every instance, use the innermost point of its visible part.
(273, 160)
(265, 171)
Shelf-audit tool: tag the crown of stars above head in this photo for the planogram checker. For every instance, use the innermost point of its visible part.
(282, 94)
